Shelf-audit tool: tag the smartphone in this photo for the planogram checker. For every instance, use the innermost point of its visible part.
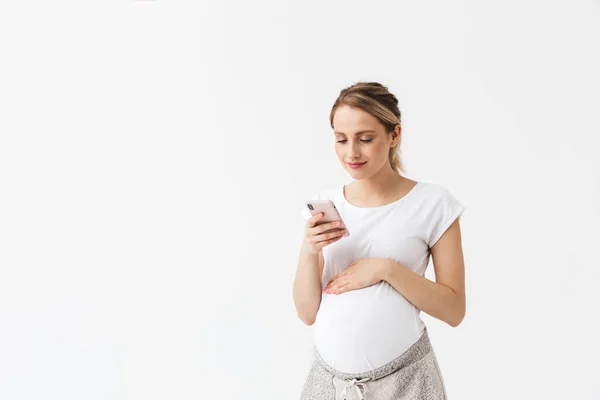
(330, 213)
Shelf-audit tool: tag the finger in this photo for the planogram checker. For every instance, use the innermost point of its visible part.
(339, 288)
(327, 226)
(331, 236)
(339, 283)
(341, 274)
(343, 288)
(314, 219)
(333, 283)
(335, 278)
(342, 281)
(328, 242)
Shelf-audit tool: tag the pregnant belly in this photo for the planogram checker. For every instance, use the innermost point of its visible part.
(363, 329)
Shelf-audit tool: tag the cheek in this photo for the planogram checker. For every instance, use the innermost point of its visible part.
(378, 152)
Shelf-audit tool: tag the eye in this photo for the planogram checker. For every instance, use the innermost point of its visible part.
(362, 140)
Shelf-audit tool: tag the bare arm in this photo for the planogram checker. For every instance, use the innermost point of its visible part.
(445, 298)
(307, 285)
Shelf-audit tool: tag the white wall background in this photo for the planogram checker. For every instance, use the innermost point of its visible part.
(154, 156)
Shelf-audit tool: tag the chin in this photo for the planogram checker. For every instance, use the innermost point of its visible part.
(357, 174)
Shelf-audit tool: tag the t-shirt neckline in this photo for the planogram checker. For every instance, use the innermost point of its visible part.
(382, 207)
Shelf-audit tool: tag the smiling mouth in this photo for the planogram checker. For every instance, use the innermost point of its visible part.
(356, 165)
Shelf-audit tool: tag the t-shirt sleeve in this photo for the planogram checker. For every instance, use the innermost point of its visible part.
(445, 210)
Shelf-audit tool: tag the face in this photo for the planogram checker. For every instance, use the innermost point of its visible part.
(361, 138)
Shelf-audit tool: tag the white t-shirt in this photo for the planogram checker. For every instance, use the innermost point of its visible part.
(363, 329)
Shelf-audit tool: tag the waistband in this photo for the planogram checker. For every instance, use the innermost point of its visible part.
(414, 353)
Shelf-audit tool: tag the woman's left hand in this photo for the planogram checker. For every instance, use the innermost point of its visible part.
(361, 273)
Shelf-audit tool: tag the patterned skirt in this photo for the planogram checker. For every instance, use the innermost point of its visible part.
(414, 375)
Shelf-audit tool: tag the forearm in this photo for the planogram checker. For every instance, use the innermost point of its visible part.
(307, 287)
(435, 299)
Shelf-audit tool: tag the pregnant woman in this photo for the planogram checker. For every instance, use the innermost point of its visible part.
(363, 293)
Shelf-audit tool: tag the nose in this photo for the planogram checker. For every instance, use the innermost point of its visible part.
(353, 150)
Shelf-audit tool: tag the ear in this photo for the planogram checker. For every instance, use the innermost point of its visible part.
(396, 134)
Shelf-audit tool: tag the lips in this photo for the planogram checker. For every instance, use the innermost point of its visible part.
(356, 165)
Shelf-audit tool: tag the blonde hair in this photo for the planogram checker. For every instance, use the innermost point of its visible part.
(376, 99)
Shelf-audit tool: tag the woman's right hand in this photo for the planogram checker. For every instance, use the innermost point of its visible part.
(315, 238)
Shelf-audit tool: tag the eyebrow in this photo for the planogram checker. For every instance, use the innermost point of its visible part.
(357, 133)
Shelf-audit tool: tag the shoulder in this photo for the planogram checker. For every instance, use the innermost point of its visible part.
(441, 203)
(434, 199)
(434, 193)
(426, 195)
(434, 189)
(439, 208)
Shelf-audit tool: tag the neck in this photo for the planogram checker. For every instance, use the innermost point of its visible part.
(381, 184)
